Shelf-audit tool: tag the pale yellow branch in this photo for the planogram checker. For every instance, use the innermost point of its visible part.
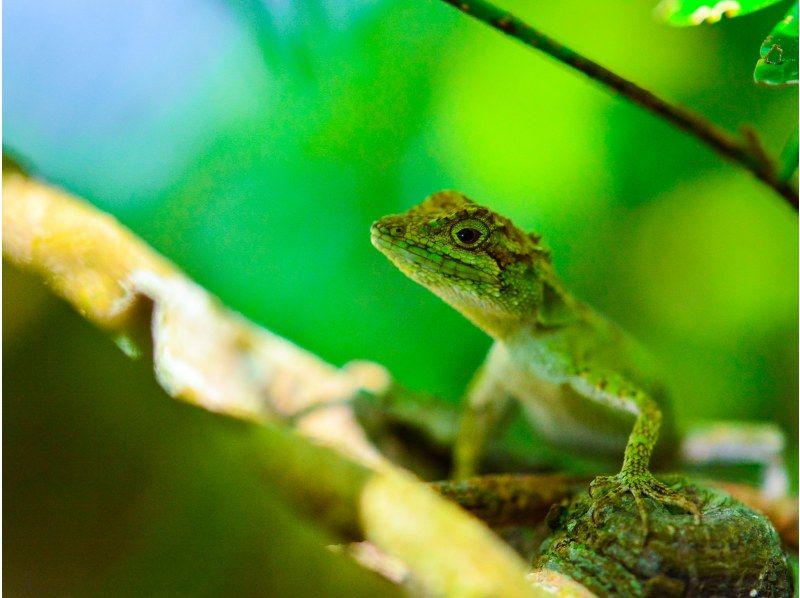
(205, 354)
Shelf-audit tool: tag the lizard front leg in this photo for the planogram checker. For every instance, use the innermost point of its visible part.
(486, 404)
(613, 391)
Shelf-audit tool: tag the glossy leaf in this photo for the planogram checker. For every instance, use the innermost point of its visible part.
(696, 12)
(778, 62)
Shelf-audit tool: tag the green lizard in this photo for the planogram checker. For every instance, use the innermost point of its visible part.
(584, 383)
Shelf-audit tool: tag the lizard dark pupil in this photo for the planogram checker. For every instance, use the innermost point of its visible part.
(468, 235)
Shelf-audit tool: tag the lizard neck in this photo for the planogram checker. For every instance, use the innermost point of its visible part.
(553, 309)
(557, 308)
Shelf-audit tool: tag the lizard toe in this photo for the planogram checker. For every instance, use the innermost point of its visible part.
(639, 486)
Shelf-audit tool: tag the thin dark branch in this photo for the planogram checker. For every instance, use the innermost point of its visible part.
(723, 142)
(789, 157)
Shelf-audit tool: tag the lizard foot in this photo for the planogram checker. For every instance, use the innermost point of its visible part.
(639, 485)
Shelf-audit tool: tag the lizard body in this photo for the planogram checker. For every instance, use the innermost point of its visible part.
(584, 383)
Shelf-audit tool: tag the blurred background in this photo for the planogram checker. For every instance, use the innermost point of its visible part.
(254, 141)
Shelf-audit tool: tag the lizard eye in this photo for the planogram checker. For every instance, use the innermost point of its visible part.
(469, 233)
(468, 236)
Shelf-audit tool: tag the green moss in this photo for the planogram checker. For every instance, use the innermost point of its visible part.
(734, 551)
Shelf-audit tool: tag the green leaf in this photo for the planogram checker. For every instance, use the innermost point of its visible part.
(778, 63)
(695, 12)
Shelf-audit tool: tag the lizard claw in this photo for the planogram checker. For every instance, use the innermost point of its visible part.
(639, 485)
(615, 489)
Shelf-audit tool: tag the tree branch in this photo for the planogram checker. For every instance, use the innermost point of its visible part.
(524, 499)
(721, 141)
(509, 499)
(207, 355)
(788, 158)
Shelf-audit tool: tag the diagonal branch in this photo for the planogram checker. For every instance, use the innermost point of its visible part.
(721, 141)
(207, 355)
(524, 499)
(788, 158)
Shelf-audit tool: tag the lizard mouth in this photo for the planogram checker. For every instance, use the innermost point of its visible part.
(411, 257)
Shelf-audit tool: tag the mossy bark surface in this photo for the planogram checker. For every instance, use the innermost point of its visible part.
(734, 551)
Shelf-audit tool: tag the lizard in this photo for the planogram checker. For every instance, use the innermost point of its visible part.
(584, 382)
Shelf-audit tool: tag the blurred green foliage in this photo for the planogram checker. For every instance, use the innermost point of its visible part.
(694, 12)
(254, 142)
(777, 64)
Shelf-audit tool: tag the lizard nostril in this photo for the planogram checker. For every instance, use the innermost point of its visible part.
(398, 230)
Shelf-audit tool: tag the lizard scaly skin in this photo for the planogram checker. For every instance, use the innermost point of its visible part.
(585, 384)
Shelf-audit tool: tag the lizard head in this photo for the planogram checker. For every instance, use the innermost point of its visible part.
(474, 259)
